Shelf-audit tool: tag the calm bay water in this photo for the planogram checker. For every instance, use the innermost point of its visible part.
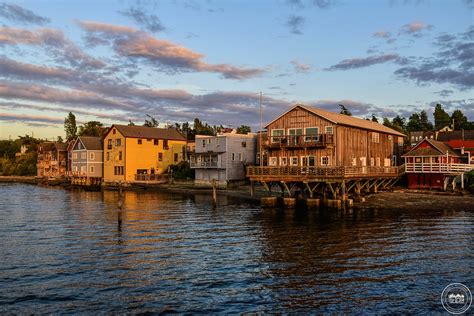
(72, 251)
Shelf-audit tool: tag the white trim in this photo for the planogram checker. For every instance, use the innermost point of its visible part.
(291, 160)
(328, 161)
(286, 161)
(276, 129)
(306, 133)
(326, 129)
(273, 161)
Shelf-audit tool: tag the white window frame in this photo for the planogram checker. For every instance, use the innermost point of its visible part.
(83, 156)
(291, 160)
(283, 161)
(273, 161)
(92, 156)
(372, 161)
(327, 161)
(91, 169)
(354, 162)
(306, 134)
(327, 128)
(277, 136)
(241, 157)
(302, 159)
(375, 137)
(377, 162)
(233, 156)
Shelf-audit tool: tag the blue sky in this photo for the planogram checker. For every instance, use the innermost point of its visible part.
(176, 60)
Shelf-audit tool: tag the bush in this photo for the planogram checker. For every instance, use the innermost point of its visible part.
(182, 170)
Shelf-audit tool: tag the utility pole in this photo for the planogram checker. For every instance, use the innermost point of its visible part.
(261, 130)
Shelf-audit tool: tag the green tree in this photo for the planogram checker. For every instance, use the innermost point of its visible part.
(399, 121)
(344, 110)
(60, 139)
(92, 128)
(244, 129)
(152, 122)
(441, 118)
(414, 123)
(460, 120)
(130, 123)
(425, 123)
(70, 126)
(374, 118)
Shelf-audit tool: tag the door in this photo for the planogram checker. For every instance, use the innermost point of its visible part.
(294, 134)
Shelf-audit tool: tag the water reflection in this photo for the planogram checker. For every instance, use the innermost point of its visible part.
(75, 251)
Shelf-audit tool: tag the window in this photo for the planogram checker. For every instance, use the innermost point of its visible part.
(91, 169)
(203, 143)
(417, 159)
(160, 156)
(109, 144)
(386, 162)
(83, 169)
(165, 144)
(375, 137)
(74, 156)
(283, 161)
(377, 161)
(148, 139)
(217, 142)
(304, 161)
(139, 142)
(118, 142)
(244, 144)
(118, 170)
(354, 162)
(329, 130)
(113, 131)
(176, 156)
(293, 161)
(325, 161)
(75, 168)
(108, 156)
(83, 155)
(277, 135)
(120, 155)
(91, 156)
(311, 161)
(233, 156)
(294, 135)
(400, 141)
(311, 134)
(273, 161)
(209, 140)
(155, 142)
(372, 161)
(241, 157)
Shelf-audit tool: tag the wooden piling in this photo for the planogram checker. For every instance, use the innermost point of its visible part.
(289, 202)
(269, 201)
(312, 203)
(214, 193)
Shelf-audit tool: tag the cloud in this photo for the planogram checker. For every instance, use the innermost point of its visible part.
(415, 28)
(357, 108)
(444, 92)
(295, 23)
(11, 117)
(54, 42)
(150, 22)
(382, 34)
(355, 63)
(18, 14)
(301, 67)
(162, 54)
(321, 4)
(452, 63)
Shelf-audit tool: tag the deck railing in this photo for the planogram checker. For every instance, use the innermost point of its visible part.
(204, 164)
(319, 140)
(433, 167)
(321, 172)
(151, 177)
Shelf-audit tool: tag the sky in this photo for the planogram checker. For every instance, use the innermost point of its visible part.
(115, 61)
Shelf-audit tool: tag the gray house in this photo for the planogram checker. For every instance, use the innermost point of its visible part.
(223, 158)
(87, 161)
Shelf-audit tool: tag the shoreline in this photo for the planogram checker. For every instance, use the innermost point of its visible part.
(398, 199)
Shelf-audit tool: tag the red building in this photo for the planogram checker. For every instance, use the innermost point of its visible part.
(432, 164)
(463, 141)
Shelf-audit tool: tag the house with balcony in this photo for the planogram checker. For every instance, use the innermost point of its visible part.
(87, 161)
(222, 158)
(52, 160)
(434, 165)
(139, 154)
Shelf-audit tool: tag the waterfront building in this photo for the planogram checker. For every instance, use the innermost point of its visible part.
(417, 136)
(141, 154)
(313, 149)
(222, 158)
(434, 165)
(70, 146)
(52, 160)
(87, 160)
(462, 140)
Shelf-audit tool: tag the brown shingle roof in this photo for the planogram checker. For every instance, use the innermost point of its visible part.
(347, 120)
(91, 143)
(438, 148)
(49, 146)
(423, 152)
(149, 132)
(456, 135)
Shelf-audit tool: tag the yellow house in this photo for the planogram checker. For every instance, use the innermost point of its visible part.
(138, 153)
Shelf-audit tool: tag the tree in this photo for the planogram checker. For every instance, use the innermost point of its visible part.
(414, 123)
(441, 118)
(399, 121)
(60, 139)
(374, 118)
(130, 123)
(243, 129)
(425, 123)
(151, 123)
(344, 110)
(70, 126)
(460, 120)
(92, 128)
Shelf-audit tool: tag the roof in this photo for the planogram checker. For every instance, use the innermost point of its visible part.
(91, 142)
(437, 149)
(344, 120)
(456, 135)
(149, 132)
(49, 146)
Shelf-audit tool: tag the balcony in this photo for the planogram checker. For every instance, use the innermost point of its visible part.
(298, 141)
(204, 164)
(437, 167)
(202, 161)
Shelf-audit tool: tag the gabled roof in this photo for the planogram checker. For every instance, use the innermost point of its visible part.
(49, 146)
(456, 135)
(148, 132)
(436, 149)
(90, 142)
(337, 118)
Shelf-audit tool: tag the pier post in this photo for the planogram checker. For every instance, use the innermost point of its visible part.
(269, 201)
(312, 203)
(289, 202)
(214, 193)
(251, 188)
(120, 197)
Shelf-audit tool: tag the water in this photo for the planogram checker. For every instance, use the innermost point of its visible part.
(73, 252)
